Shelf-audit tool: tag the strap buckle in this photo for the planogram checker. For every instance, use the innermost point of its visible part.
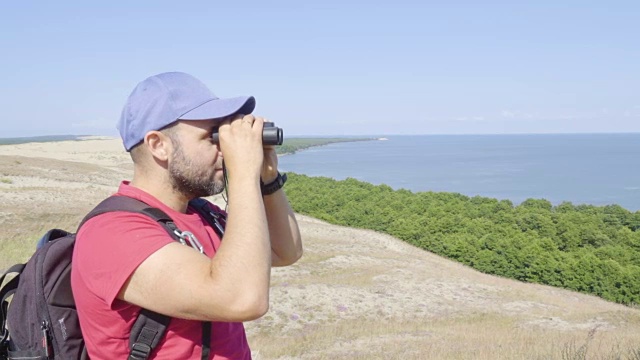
(140, 351)
(187, 238)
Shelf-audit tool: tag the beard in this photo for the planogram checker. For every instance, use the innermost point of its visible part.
(190, 179)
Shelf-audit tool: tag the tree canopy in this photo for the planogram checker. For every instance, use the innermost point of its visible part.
(591, 249)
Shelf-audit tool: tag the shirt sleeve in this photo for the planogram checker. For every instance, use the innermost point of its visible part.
(110, 247)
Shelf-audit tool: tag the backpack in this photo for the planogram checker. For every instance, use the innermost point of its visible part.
(41, 322)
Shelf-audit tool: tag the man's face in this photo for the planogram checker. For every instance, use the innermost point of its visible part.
(195, 166)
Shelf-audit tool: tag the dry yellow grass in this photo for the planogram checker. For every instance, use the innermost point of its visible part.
(478, 336)
(355, 294)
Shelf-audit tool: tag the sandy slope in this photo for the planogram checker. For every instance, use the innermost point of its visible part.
(355, 293)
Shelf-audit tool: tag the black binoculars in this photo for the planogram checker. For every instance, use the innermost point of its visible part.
(271, 135)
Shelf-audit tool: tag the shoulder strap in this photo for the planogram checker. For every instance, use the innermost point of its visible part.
(125, 203)
(146, 334)
(6, 291)
(149, 326)
(216, 219)
(206, 340)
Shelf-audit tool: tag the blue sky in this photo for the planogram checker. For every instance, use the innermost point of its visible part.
(331, 67)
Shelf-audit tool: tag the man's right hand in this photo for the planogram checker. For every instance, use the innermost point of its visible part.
(241, 145)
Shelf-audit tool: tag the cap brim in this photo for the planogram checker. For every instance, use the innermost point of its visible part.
(219, 108)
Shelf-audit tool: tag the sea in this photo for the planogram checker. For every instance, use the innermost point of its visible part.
(596, 169)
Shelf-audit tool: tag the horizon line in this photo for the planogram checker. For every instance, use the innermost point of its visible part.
(364, 135)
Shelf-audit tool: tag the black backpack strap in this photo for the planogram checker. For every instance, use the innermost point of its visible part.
(6, 291)
(125, 203)
(206, 340)
(146, 334)
(13, 283)
(216, 219)
(149, 327)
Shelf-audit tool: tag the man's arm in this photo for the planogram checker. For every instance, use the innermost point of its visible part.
(232, 286)
(286, 243)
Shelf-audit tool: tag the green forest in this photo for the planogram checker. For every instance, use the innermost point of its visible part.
(591, 249)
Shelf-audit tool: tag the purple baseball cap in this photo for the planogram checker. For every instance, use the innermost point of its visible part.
(162, 99)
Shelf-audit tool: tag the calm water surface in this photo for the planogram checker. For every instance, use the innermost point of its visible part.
(596, 169)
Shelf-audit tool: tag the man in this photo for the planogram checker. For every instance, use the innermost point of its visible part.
(126, 262)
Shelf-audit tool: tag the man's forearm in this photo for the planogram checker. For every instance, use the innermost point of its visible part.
(243, 261)
(286, 243)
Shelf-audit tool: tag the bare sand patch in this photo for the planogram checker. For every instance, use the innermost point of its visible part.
(102, 151)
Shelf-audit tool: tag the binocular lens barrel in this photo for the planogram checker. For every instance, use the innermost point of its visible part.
(271, 135)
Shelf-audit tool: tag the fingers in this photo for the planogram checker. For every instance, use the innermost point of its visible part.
(240, 143)
(251, 121)
(240, 129)
(245, 119)
(237, 124)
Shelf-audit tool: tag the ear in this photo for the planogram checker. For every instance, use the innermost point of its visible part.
(159, 145)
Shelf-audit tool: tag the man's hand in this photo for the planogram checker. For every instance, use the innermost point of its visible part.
(241, 145)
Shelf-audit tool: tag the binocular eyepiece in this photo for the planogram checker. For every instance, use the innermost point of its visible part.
(271, 135)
